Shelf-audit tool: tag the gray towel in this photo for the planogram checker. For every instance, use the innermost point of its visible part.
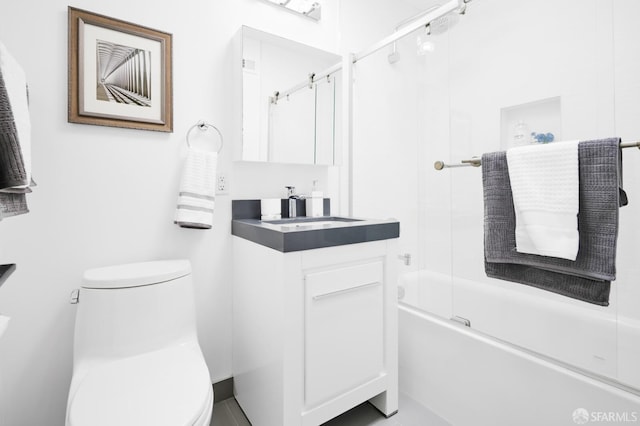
(12, 170)
(591, 291)
(588, 278)
(12, 205)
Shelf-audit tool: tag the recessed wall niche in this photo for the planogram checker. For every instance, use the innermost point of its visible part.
(519, 121)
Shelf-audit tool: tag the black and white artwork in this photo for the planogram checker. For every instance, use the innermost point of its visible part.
(123, 74)
(120, 73)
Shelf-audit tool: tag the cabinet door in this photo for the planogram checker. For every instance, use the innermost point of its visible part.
(344, 332)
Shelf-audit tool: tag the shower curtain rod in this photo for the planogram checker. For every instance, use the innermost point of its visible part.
(420, 21)
(477, 162)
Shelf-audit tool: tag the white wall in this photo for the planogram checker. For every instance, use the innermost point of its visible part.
(107, 195)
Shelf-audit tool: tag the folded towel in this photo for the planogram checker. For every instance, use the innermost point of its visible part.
(15, 126)
(12, 170)
(591, 291)
(600, 164)
(197, 190)
(588, 277)
(544, 183)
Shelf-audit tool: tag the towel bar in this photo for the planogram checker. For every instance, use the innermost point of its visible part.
(474, 162)
(635, 144)
(203, 125)
(477, 162)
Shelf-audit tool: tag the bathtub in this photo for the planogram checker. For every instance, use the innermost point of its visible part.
(493, 373)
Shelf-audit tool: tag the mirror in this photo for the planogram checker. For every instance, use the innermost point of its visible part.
(290, 112)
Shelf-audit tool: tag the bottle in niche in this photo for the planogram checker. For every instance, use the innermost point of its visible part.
(521, 134)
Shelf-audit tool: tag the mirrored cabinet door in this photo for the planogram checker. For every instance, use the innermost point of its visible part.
(290, 113)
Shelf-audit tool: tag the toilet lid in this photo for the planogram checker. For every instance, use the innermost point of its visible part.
(170, 387)
(136, 274)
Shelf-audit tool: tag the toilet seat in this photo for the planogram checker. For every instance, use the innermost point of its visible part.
(170, 387)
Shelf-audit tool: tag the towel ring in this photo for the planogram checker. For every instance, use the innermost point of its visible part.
(203, 125)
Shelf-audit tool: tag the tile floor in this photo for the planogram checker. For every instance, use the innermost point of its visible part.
(228, 413)
(410, 413)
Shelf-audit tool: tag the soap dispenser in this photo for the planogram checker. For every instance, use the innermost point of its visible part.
(315, 203)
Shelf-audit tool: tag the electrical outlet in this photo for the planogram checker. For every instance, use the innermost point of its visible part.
(222, 183)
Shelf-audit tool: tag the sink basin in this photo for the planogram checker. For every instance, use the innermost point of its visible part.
(306, 233)
(301, 223)
(312, 225)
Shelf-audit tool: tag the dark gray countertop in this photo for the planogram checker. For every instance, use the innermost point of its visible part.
(303, 234)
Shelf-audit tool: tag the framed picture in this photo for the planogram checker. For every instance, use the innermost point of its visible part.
(119, 73)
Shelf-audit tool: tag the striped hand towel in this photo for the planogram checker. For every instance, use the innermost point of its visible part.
(197, 190)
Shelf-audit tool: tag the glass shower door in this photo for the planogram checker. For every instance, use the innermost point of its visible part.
(400, 121)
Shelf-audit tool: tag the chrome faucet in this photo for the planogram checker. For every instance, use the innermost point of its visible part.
(291, 195)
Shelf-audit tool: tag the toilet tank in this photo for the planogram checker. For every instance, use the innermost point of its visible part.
(130, 309)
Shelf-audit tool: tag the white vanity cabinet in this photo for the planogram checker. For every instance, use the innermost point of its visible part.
(314, 331)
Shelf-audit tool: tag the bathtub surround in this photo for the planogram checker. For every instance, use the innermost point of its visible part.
(590, 276)
(499, 384)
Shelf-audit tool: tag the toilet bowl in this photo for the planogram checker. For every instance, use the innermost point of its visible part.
(137, 360)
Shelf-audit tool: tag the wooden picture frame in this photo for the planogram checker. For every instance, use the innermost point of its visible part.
(120, 74)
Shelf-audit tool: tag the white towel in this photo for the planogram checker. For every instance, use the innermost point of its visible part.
(544, 182)
(197, 191)
(16, 85)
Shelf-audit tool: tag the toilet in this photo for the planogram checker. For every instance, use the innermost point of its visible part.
(136, 357)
